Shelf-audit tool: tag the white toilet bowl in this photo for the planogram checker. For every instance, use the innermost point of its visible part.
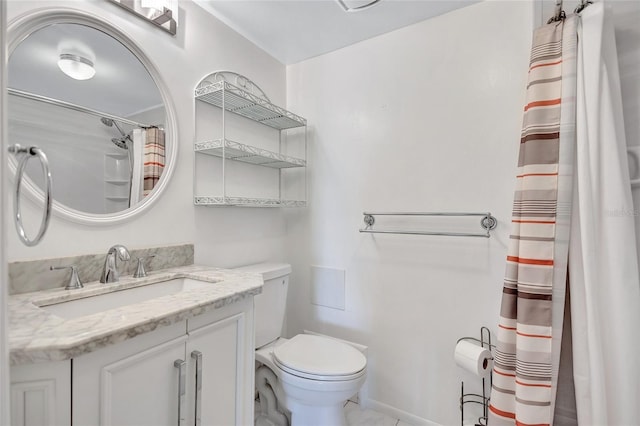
(311, 376)
(316, 375)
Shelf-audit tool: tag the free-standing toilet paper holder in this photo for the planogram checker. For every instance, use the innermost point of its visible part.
(474, 398)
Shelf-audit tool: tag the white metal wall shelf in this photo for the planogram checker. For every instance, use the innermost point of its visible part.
(247, 202)
(232, 92)
(488, 223)
(234, 99)
(247, 154)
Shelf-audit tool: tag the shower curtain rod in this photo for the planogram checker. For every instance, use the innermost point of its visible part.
(74, 107)
(559, 14)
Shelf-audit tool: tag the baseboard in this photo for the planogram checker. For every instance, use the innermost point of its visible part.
(396, 413)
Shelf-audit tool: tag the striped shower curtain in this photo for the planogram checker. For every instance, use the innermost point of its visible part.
(523, 390)
(153, 158)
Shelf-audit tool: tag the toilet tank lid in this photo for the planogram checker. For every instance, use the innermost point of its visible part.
(268, 270)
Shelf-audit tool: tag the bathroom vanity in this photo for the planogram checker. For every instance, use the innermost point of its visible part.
(175, 347)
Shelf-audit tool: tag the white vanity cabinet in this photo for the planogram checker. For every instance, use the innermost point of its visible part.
(225, 382)
(138, 382)
(41, 394)
(133, 382)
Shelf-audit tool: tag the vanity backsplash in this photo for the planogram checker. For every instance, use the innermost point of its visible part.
(35, 275)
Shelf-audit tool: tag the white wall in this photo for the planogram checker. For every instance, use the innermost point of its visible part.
(222, 235)
(626, 16)
(426, 118)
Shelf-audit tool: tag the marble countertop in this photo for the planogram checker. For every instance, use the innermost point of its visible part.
(36, 335)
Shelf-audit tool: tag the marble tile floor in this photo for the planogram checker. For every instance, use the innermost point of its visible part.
(357, 416)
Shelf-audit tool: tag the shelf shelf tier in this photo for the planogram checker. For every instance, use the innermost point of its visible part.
(247, 154)
(248, 105)
(247, 202)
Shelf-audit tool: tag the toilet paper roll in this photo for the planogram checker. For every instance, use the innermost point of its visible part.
(473, 358)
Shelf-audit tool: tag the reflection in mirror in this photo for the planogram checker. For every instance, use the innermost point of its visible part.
(89, 103)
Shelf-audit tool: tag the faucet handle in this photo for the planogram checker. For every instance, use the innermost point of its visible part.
(74, 280)
(140, 271)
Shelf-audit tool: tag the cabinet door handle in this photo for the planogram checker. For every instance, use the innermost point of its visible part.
(197, 355)
(182, 377)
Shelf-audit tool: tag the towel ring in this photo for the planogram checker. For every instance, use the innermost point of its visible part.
(24, 155)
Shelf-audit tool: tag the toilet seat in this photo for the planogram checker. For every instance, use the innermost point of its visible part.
(319, 358)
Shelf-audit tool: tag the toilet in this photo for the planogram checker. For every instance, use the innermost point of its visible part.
(307, 375)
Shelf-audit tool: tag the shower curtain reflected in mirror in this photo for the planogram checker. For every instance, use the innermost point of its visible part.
(154, 159)
(148, 163)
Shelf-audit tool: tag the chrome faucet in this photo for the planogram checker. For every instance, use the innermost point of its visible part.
(110, 272)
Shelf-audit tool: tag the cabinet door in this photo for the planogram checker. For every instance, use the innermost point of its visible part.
(142, 389)
(221, 346)
(41, 394)
(128, 384)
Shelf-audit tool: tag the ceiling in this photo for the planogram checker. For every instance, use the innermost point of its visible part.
(122, 86)
(295, 30)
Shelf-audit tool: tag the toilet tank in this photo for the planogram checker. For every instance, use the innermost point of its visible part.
(270, 305)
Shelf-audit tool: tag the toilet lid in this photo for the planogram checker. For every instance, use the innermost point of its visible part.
(319, 358)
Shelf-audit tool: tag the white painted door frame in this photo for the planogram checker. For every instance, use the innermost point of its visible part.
(4, 350)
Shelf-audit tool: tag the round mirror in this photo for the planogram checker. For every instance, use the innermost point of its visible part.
(86, 95)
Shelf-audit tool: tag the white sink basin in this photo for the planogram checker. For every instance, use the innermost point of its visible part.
(103, 302)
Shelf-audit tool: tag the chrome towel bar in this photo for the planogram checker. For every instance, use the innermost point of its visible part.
(488, 223)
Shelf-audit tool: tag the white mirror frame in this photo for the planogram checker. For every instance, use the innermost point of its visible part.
(23, 26)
